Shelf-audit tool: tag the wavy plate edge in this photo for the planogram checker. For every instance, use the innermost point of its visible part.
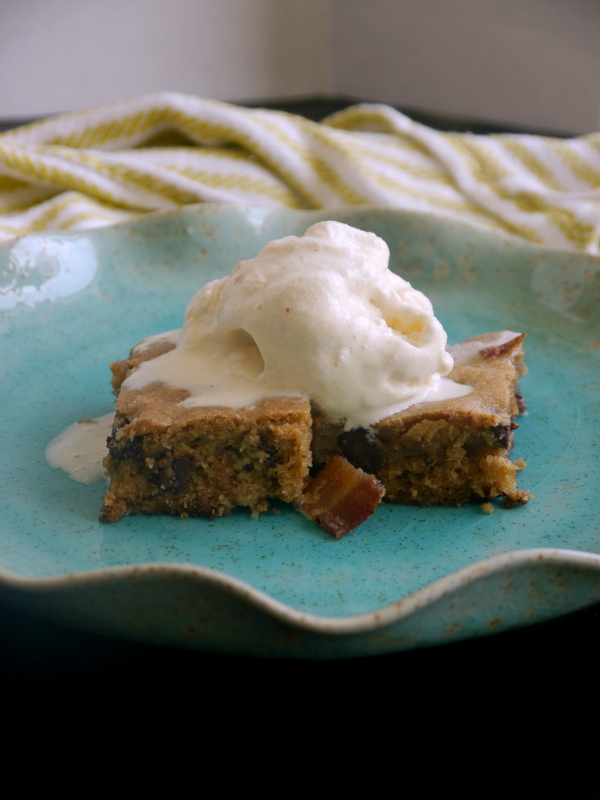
(199, 608)
(177, 604)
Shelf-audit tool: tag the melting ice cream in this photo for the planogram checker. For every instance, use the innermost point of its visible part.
(320, 315)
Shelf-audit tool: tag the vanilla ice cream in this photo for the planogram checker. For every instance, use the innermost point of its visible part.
(319, 315)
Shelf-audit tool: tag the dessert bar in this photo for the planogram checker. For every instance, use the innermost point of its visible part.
(169, 458)
(448, 452)
(165, 458)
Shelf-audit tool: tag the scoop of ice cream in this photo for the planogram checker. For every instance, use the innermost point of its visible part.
(322, 315)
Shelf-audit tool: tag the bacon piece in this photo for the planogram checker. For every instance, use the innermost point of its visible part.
(340, 497)
(502, 349)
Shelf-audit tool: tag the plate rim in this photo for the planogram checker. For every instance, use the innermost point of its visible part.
(367, 622)
(337, 626)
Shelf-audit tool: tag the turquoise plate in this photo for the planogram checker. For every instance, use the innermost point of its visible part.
(279, 586)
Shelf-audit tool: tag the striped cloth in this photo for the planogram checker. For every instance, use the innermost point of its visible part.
(104, 165)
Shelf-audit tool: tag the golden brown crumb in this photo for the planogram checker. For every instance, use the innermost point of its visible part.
(448, 452)
(167, 458)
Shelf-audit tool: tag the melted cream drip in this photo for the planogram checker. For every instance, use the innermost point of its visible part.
(80, 449)
(172, 337)
(211, 384)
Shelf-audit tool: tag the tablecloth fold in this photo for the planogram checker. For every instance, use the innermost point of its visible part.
(160, 151)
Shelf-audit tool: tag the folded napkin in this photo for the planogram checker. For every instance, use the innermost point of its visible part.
(104, 165)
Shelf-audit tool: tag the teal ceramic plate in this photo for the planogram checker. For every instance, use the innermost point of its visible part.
(278, 585)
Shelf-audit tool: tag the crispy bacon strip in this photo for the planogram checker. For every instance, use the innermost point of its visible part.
(340, 497)
(501, 349)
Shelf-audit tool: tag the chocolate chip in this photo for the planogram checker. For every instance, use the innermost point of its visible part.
(504, 435)
(173, 475)
(181, 470)
(361, 449)
(126, 448)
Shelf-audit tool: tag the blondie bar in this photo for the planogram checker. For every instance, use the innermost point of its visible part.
(449, 452)
(167, 458)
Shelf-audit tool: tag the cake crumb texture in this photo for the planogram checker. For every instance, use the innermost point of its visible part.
(169, 458)
(166, 458)
(449, 452)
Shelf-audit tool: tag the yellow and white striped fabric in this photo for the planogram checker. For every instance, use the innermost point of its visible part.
(103, 165)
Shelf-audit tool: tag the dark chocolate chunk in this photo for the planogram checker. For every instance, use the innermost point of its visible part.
(361, 449)
(126, 448)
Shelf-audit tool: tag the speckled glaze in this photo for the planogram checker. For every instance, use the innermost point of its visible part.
(279, 586)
